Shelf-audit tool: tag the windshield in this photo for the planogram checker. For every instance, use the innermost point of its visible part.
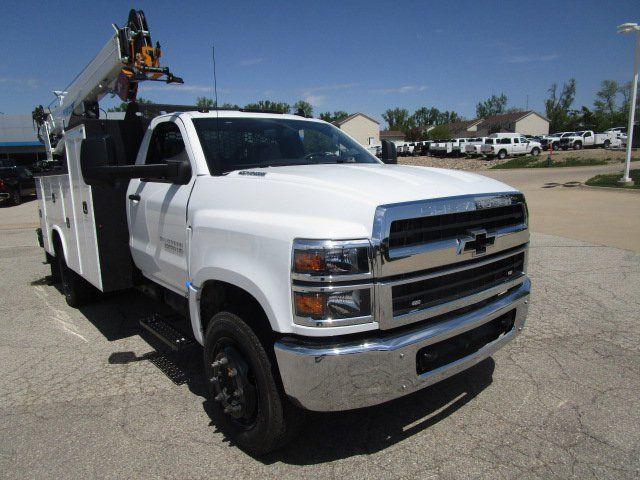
(568, 134)
(237, 143)
(579, 134)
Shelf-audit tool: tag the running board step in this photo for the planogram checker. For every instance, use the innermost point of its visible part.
(162, 327)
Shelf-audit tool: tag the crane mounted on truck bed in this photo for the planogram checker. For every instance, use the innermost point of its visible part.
(127, 59)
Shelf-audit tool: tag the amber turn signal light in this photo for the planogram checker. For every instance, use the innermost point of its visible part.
(311, 305)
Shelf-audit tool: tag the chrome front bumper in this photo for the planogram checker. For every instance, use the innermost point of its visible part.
(333, 377)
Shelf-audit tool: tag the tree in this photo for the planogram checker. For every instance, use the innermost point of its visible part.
(334, 117)
(428, 116)
(123, 106)
(625, 92)
(606, 97)
(494, 105)
(306, 107)
(439, 132)
(399, 119)
(557, 106)
(205, 102)
(280, 107)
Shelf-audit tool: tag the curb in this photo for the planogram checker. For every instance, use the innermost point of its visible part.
(633, 191)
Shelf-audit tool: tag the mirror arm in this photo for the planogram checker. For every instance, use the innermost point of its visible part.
(115, 172)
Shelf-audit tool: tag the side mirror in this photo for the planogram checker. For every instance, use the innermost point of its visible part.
(96, 153)
(179, 171)
(389, 152)
(97, 163)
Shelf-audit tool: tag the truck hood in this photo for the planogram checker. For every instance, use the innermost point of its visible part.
(328, 201)
(378, 184)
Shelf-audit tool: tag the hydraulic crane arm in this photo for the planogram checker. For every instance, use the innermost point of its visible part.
(128, 58)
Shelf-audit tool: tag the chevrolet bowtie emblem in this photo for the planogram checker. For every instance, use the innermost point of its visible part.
(476, 242)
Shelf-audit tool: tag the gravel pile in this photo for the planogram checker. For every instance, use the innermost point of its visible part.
(470, 164)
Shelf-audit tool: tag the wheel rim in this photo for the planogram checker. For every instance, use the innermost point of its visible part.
(234, 383)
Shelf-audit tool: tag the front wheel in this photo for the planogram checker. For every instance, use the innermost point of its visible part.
(535, 151)
(502, 154)
(248, 401)
(577, 146)
(607, 143)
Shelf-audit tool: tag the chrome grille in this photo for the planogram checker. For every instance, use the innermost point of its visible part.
(441, 289)
(416, 231)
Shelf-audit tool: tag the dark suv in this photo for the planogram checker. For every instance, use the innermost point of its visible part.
(16, 181)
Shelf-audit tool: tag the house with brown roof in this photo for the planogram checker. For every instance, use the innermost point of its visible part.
(527, 122)
(364, 129)
(392, 135)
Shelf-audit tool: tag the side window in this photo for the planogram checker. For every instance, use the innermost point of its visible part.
(505, 141)
(166, 143)
(516, 140)
(587, 134)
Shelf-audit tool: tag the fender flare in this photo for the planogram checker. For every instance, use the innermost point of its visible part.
(59, 231)
(236, 279)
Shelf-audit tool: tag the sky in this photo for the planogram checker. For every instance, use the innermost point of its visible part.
(344, 55)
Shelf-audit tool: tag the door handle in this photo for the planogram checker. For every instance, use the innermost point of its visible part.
(135, 197)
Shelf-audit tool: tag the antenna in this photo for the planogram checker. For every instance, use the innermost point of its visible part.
(527, 107)
(215, 79)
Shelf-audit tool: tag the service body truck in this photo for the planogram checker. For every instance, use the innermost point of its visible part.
(314, 276)
(588, 138)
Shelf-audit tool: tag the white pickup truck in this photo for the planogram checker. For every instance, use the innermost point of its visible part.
(588, 138)
(313, 275)
(502, 145)
(474, 146)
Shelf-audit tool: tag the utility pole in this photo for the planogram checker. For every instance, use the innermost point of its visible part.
(631, 28)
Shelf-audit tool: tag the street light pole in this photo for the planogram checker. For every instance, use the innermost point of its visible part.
(631, 28)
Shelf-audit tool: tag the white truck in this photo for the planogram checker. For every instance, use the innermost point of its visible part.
(473, 148)
(314, 276)
(588, 138)
(502, 145)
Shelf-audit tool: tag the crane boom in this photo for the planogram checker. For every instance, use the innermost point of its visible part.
(127, 59)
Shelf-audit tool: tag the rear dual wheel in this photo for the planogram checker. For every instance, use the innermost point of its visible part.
(76, 290)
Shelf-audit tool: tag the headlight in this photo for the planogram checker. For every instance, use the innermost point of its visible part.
(316, 259)
(317, 301)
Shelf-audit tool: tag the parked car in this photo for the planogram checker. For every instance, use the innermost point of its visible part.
(587, 138)
(474, 145)
(440, 148)
(16, 182)
(509, 144)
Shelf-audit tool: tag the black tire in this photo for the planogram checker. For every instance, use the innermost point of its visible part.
(577, 146)
(16, 197)
(55, 268)
(267, 419)
(535, 151)
(607, 143)
(76, 290)
(502, 154)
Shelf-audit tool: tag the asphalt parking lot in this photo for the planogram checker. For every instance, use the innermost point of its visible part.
(83, 394)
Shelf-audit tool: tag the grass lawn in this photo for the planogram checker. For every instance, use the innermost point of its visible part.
(611, 180)
(529, 161)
